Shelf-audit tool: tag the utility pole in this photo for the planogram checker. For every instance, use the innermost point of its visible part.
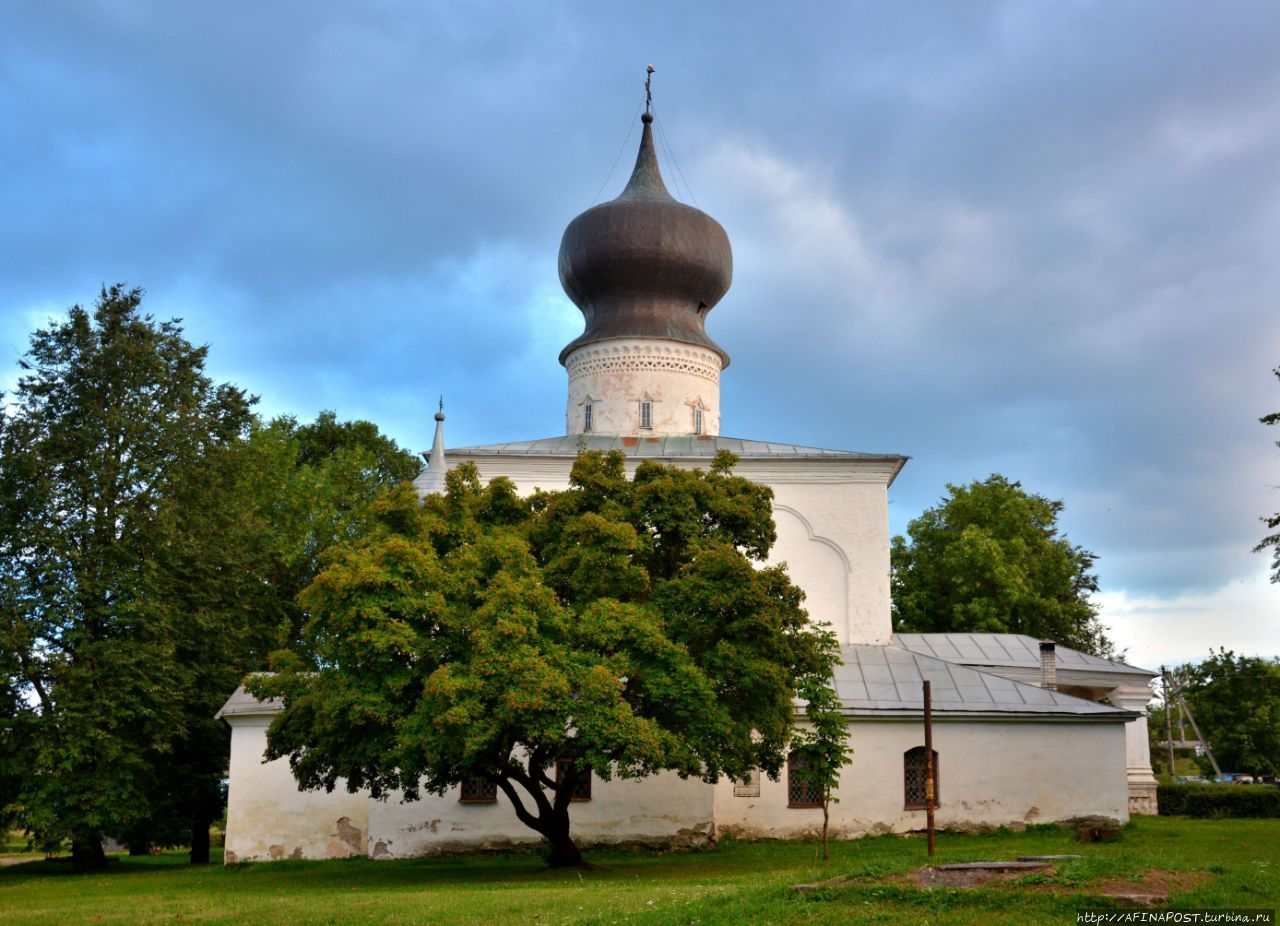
(1168, 723)
(1208, 750)
(930, 791)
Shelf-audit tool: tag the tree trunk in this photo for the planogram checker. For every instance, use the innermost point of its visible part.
(826, 816)
(552, 819)
(199, 842)
(87, 854)
(564, 853)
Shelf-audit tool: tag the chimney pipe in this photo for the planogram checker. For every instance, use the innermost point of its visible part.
(1048, 665)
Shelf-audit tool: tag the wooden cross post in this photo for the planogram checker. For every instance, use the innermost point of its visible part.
(930, 792)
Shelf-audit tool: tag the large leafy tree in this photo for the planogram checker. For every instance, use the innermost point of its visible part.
(989, 559)
(1236, 702)
(312, 486)
(1272, 522)
(621, 627)
(239, 545)
(112, 418)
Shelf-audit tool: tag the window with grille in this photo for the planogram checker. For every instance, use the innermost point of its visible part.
(581, 790)
(586, 417)
(915, 773)
(697, 420)
(801, 792)
(646, 415)
(477, 790)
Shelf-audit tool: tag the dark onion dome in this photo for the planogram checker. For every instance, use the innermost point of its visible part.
(645, 265)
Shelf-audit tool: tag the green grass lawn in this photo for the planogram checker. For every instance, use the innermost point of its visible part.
(738, 883)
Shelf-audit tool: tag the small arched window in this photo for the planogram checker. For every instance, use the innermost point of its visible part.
(915, 774)
(646, 415)
(587, 417)
(697, 420)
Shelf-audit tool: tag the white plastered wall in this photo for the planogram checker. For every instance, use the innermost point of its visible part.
(990, 774)
(616, 375)
(269, 818)
(834, 538)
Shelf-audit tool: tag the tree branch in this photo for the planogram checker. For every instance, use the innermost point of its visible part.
(45, 704)
(523, 815)
(513, 771)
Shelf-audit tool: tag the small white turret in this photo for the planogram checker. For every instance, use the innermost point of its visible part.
(431, 482)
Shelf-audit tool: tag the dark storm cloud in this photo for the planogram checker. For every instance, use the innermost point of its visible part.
(1033, 239)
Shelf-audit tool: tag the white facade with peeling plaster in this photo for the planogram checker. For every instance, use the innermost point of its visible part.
(989, 774)
(269, 818)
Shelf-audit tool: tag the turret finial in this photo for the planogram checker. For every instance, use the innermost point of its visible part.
(440, 413)
(648, 94)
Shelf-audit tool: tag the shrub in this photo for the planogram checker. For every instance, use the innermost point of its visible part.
(1208, 800)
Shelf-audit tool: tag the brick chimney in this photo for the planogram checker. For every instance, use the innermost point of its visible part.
(1048, 665)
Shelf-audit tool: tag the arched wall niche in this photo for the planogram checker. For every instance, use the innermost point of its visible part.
(818, 565)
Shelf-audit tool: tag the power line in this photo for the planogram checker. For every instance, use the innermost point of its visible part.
(631, 126)
(666, 144)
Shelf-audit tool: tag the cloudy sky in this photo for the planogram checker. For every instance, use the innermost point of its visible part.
(1040, 239)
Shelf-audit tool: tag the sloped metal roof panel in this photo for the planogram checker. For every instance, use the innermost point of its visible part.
(1013, 650)
(957, 690)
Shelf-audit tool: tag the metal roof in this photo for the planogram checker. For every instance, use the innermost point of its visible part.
(885, 681)
(241, 702)
(1005, 650)
(681, 445)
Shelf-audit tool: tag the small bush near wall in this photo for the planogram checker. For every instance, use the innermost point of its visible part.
(1219, 800)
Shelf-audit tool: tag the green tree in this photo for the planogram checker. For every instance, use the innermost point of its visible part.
(1236, 702)
(239, 545)
(989, 559)
(822, 746)
(1272, 522)
(620, 627)
(112, 417)
(313, 486)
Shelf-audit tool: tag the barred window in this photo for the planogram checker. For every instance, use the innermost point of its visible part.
(581, 790)
(646, 415)
(586, 417)
(477, 790)
(915, 774)
(801, 792)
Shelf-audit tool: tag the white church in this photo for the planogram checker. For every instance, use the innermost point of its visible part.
(1024, 732)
